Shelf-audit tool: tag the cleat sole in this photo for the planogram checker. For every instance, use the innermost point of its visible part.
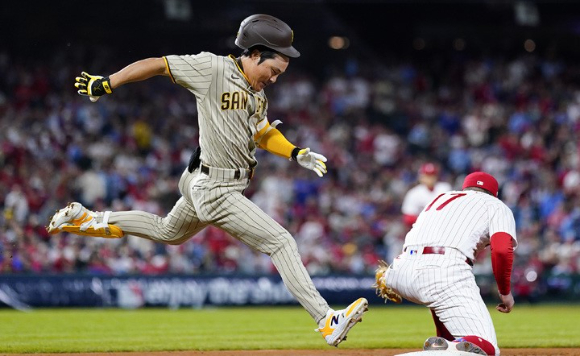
(112, 232)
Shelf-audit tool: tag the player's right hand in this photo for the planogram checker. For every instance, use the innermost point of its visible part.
(93, 86)
(507, 303)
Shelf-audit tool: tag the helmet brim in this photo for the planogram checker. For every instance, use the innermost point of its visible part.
(288, 51)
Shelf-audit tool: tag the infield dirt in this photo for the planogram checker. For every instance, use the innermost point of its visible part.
(351, 352)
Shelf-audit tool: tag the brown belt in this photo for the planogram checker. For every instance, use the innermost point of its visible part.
(440, 250)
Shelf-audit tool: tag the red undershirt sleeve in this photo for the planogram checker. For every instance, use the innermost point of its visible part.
(409, 219)
(502, 259)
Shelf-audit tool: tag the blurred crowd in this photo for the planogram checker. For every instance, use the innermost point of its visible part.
(517, 118)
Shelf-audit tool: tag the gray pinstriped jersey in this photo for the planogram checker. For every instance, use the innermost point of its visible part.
(229, 109)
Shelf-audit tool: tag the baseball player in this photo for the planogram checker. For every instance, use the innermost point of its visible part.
(233, 123)
(435, 267)
(420, 195)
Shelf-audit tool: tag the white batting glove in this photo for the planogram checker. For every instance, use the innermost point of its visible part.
(311, 160)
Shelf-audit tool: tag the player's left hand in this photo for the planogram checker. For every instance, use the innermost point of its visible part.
(381, 287)
(93, 86)
(507, 303)
(311, 160)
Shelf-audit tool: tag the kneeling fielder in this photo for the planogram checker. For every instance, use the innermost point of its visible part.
(435, 268)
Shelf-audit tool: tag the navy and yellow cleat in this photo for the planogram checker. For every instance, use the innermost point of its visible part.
(339, 322)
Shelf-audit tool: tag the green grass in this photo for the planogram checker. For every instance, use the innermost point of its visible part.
(102, 330)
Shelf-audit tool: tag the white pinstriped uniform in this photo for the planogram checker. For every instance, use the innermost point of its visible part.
(419, 196)
(462, 222)
(230, 114)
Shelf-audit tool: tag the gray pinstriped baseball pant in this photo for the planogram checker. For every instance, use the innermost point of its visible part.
(220, 202)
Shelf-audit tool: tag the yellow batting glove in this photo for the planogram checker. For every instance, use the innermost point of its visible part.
(93, 86)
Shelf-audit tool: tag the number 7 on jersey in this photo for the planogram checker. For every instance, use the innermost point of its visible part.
(453, 197)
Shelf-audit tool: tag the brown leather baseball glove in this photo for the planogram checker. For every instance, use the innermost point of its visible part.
(383, 290)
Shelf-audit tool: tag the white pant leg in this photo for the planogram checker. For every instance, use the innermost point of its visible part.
(447, 285)
(458, 302)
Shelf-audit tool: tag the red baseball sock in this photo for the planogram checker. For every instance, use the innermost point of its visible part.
(441, 329)
(485, 345)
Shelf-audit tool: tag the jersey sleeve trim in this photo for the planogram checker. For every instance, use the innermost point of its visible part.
(509, 225)
(409, 219)
(168, 69)
(261, 128)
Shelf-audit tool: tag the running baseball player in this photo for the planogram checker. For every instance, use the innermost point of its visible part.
(420, 195)
(435, 267)
(232, 114)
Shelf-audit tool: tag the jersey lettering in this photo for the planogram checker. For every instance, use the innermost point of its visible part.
(455, 196)
(260, 105)
(434, 200)
(237, 100)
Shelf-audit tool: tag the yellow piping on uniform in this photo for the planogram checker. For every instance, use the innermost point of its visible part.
(262, 127)
(168, 70)
(231, 56)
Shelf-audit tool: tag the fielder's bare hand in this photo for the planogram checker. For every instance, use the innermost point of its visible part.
(93, 86)
(507, 303)
(311, 160)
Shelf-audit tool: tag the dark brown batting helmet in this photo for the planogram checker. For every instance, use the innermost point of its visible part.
(267, 31)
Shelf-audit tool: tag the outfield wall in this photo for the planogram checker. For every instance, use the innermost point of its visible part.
(168, 291)
(21, 292)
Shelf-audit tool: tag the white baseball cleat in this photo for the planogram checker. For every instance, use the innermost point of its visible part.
(469, 347)
(338, 322)
(437, 343)
(77, 219)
